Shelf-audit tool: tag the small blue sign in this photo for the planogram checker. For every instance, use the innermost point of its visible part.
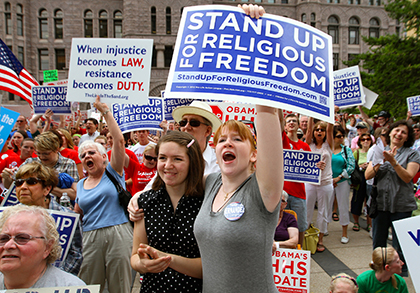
(300, 166)
(413, 105)
(139, 117)
(234, 211)
(348, 88)
(7, 121)
(50, 97)
(10, 198)
(171, 104)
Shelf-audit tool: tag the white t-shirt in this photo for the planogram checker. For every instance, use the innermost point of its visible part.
(138, 149)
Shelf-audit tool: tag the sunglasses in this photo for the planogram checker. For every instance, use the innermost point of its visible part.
(339, 136)
(150, 158)
(29, 181)
(20, 239)
(192, 122)
(365, 139)
(90, 153)
(320, 129)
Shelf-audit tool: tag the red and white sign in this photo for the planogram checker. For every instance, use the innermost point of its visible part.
(291, 270)
(234, 111)
(57, 82)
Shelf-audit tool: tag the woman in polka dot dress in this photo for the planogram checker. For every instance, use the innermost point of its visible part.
(164, 246)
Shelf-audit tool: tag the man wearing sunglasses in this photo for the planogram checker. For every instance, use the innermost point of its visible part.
(21, 124)
(362, 128)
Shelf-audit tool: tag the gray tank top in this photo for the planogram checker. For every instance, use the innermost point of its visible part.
(236, 255)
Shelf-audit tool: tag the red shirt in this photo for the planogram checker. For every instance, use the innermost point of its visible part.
(140, 174)
(296, 189)
(71, 154)
(133, 156)
(11, 161)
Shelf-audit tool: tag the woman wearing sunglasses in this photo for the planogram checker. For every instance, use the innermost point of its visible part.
(320, 141)
(141, 174)
(107, 234)
(34, 183)
(29, 245)
(360, 194)
(342, 166)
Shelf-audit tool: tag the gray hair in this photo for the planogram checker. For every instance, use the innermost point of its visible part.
(285, 196)
(91, 144)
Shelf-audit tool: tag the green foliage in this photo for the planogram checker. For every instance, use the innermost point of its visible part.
(393, 63)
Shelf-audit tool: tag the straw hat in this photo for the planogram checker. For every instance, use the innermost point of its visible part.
(200, 109)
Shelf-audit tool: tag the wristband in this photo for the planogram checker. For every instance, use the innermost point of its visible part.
(106, 112)
(277, 245)
(395, 165)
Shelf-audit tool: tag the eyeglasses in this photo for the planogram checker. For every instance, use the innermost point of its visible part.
(150, 158)
(365, 139)
(339, 136)
(192, 122)
(30, 181)
(20, 239)
(320, 129)
(90, 153)
(291, 121)
(39, 154)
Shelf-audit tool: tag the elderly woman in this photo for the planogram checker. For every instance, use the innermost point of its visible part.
(107, 234)
(343, 283)
(394, 183)
(29, 244)
(287, 233)
(34, 183)
(384, 276)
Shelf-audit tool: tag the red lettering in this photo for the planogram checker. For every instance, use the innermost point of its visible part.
(286, 280)
(236, 109)
(243, 110)
(229, 109)
(294, 280)
(276, 265)
(277, 279)
(277, 253)
(129, 85)
(251, 111)
(290, 267)
(122, 62)
(302, 282)
(119, 85)
(301, 268)
(137, 62)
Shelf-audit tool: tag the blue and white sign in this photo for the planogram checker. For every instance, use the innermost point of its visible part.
(413, 105)
(348, 88)
(171, 104)
(273, 61)
(300, 166)
(10, 198)
(135, 117)
(71, 289)
(116, 69)
(7, 121)
(50, 97)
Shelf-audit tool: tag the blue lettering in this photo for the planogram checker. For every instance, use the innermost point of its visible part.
(416, 239)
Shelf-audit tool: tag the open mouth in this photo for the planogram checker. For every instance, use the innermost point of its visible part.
(89, 164)
(9, 256)
(228, 156)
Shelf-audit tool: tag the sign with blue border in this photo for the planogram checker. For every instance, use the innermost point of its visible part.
(136, 117)
(7, 121)
(273, 61)
(50, 97)
(300, 166)
(71, 289)
(348, 88)
(171, 104)
(413, 105)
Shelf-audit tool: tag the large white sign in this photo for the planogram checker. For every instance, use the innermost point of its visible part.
(118, 70)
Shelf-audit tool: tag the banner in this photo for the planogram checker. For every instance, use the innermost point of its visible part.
(348, 88)
(7, 121)
(300, 166)
(413, 105)
(50, 97)
(118, 70)
(273, 61)
(292, 270)
(72, 289)
(134, 117)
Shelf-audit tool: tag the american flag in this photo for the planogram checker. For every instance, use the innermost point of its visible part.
(13, 77)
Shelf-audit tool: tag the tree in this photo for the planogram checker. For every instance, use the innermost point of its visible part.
(393, 63)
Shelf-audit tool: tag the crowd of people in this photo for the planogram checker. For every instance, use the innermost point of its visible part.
(207, 215)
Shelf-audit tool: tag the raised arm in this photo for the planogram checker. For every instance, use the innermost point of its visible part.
(270, 156)
(118, 149)
(365, 116)
(309, 131)
(330, 135)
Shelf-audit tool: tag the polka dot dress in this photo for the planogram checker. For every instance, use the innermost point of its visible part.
(172, 233)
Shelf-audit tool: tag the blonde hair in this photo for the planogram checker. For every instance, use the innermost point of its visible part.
(381, 257)
(67, 135)
(344, 278)
(47, 141)
(47, 225)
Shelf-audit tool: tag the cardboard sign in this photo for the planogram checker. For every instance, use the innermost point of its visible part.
(72, 289)
(50, 75)
(118, 70)
(10, 198)
(7, 121)
(300, 166)
(273, 61)
(348, 88)
(370, 98)
(50, 97)
(291, 270)
(413, 105)
(408, 233)
(66, 226)
(135, 117)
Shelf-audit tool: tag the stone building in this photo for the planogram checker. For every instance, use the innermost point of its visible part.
(39, 32)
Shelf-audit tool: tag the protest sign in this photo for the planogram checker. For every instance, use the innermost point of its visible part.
(10, 198)
(291, 270)
(118, 70)
(66, 224)
(135, 117)
(408, 233)
(57, 82)
(273, 61)
(50, 75)
(370, 98)
(234, 111)
(171, 104)
(50, 97)
(413, 105)
(71, 289)
(300, 166)
(7, 121)
(348, 88)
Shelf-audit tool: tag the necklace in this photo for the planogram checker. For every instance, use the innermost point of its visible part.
(228, 194)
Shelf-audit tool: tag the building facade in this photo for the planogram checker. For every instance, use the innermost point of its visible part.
(39, 32)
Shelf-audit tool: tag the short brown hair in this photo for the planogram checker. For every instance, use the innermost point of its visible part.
(47, 175)
(47, 141)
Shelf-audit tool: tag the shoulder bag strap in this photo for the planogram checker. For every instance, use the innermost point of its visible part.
(114, 181)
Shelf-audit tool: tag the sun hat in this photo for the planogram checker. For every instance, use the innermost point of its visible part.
(200, 109)
(361, 125)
